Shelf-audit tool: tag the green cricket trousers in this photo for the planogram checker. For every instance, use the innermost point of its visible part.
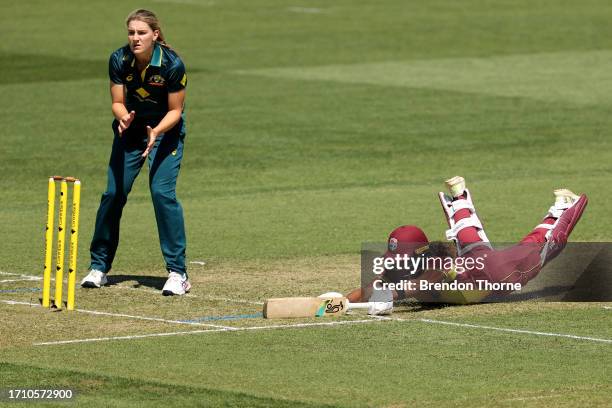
(164, 162)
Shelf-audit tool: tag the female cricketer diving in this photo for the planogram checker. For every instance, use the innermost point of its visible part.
(480, 262)
(147, 86)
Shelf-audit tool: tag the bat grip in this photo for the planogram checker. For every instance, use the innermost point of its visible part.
(358, 305)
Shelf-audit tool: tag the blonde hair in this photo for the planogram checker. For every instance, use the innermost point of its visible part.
(149, 17)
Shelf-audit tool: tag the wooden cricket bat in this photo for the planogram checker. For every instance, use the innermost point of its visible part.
(293, 307)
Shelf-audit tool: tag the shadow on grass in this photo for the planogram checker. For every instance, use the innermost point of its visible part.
(154, 282)
(420, 307)
(28, 68)
(91, 388)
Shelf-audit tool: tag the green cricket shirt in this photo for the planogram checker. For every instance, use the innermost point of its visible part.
(147, 90)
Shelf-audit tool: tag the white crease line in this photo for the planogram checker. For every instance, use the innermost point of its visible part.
(155, 319)
(223, 299)
(233, 329)
(503, 329)
(18, 280)
(377, 317)
(29, 277)
(139, 336)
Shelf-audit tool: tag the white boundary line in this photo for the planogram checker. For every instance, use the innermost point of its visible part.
(155, 319)
(607, 307)
(181, 333)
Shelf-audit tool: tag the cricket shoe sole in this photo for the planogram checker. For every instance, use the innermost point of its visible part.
(557, 237)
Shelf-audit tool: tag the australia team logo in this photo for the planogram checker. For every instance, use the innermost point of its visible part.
(156, 80)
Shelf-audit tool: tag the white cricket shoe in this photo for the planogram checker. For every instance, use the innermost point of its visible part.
(565, 196)
(564, 199)
(177, 284)
(94, 279)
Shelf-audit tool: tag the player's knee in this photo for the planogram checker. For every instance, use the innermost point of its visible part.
(161, 193)
(114, 196)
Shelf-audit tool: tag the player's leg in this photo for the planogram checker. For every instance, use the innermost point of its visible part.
(466, 229)
(522, 262)
(563, 199)
(124, 165)
(164, 165)
(560, 221)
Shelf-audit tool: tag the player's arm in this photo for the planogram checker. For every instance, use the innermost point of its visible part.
(120, 112)
(176, 101)
(355, 295)
(364, 294)
(175, 109)
(176, 82)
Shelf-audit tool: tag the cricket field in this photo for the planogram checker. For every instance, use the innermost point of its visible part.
(312, 127)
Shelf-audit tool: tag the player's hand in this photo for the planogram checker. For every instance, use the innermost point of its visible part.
(126, 121)
(380, 308)
(152, 134)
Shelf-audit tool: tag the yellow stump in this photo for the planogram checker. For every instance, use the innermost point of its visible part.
(74, 243)
(49, 243)
(61, 235)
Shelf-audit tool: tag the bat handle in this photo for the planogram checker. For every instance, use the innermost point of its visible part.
(358, 305)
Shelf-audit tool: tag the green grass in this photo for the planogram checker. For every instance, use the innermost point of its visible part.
(308, 134)
(97, 390)
(327, 367)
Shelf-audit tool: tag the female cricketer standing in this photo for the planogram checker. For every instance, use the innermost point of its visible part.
(147, 86)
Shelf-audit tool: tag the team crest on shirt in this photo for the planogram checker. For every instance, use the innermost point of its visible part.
(156, 80)
(392, 244)
(129, 77)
